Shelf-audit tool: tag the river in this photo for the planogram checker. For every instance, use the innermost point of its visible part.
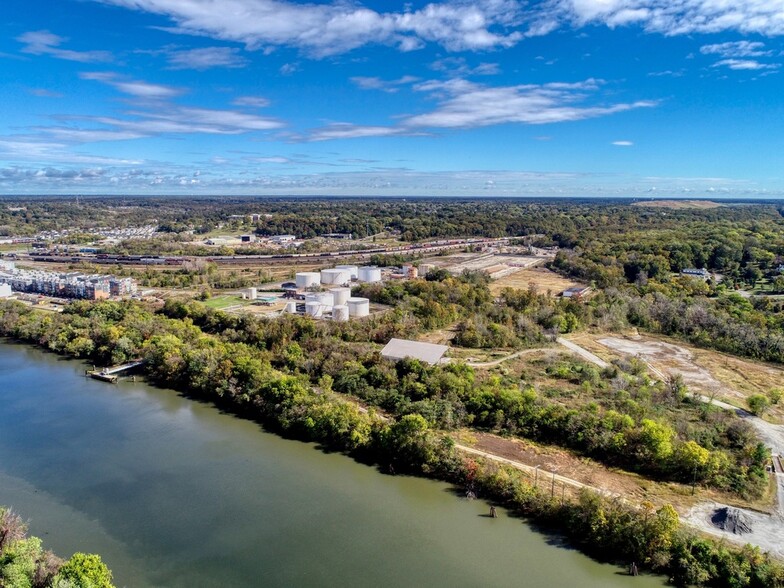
(172, 492)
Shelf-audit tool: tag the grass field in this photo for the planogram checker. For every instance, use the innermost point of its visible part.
(544, 279)
(225, 301)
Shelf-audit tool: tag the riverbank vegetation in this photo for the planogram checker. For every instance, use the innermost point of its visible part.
(272, 380)
(25, 564)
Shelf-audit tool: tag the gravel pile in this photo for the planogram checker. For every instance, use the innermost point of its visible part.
(732, 520)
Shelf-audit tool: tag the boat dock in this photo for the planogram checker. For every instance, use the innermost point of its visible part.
(112, 374)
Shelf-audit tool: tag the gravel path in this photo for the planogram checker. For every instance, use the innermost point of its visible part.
(584, 353)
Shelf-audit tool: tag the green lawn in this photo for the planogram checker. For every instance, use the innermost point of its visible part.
(226, 300)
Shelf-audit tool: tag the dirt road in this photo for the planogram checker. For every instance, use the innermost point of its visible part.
(584, 353)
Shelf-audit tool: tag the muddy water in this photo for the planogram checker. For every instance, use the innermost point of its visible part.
(173, 493)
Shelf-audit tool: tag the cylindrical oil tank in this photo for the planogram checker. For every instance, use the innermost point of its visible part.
(335, 277)
(358, 307)
(326, 298)
(340, 313)
(353, 270)
(290, 308)
(307, 279)
(369, 273)
(313, 309)
(340, 295)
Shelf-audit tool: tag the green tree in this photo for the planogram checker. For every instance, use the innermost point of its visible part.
(758, 404)
(85, 570)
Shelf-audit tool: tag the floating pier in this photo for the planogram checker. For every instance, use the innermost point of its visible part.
(112, 374)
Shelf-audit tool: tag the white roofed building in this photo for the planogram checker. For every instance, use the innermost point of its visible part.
(398, 349)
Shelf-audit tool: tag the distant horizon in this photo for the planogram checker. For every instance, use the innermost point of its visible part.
(240, 197)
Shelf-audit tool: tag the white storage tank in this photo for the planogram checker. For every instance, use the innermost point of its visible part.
(358, 307)
(5, 290)
(340, 295)
(307, 279)
(353, 270)
(369, 273)
(335, 277)
(326, 298)
(340, 313)
(313, 309)
(252, 293)
(290, 308)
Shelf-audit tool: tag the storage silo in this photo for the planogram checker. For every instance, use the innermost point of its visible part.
(290, 308)
(335, 277)
(252, 293)
(313, 309)
(353, 270)
(340, 295)
(340, 313)
(358, 307)
(326, 298)
(369, 273)
(307, 279)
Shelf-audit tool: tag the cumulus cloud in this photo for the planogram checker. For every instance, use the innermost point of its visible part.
(745, 64)
(670, 17)
(736, 49)
(46, 43)
(206, 58)
(322, 29)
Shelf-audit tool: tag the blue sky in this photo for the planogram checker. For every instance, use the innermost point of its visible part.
(640, 98)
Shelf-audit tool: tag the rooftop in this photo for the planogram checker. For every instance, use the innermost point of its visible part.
(426, 352)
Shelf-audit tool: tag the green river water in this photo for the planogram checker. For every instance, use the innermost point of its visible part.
(173, 493)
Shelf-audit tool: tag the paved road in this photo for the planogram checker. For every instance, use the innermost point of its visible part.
(584, 353)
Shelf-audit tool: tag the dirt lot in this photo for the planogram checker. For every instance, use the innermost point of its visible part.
(544, 279)
(731, 379)
(631, 486)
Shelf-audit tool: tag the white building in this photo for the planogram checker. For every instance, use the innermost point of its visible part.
(398, 349)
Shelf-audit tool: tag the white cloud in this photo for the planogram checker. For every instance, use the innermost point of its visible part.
(458, 67)
(736, 49)
(252, 101)
(745, 64)
(46, 43)
(463, 104)
(136, 88)
(670, 17)
(622, 143)
(206, 58)
(322, 29)
(390, 86)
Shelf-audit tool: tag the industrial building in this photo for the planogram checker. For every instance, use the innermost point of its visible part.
(430, 353)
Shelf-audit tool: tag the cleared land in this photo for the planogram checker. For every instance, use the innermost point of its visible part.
(711, 373)
(542, 278)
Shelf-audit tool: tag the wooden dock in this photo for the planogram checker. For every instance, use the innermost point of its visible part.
(112, 374)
